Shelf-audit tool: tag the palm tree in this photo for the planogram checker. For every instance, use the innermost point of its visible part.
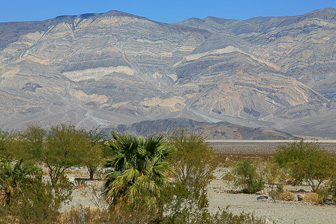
(13, 176)
(138, 171)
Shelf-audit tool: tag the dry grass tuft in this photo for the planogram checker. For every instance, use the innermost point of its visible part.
(93, 215)
(312, 198)
(283, 195)
(286, 196)
(78, 173)
(67, 171)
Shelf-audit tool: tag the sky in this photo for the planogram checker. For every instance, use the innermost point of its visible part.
(168, 11)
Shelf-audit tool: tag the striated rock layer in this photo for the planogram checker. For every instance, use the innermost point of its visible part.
(117, 68)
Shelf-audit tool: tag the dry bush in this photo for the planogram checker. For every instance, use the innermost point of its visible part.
(122, 213)
(81, 187)
(286, 196)
(93, 215)
(283, 195)
(78, 173)
(312, 198)
(67, 171)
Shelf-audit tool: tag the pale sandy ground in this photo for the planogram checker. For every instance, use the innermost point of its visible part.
(278, 212)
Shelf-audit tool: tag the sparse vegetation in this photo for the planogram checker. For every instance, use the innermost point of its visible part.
(281, 194)
(312, 198)
(222, 216)
(193, 162)
(94, 155)
(306, 162)
(149, 180)
(5, 144)
(93, 215)
(63, 149)
(25, 197)
(245, 175)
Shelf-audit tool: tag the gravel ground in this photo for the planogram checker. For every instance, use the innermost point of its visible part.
(260, 147)
(277, 212)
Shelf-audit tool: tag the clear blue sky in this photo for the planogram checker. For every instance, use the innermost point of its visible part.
(160, 10)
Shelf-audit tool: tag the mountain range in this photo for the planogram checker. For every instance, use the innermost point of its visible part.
(116, 68)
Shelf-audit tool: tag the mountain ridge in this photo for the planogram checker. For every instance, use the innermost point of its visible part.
(211, 131)
(117, 68)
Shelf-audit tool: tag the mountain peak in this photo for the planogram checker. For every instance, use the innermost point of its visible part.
(69, 18)
(105, 69)
(218, 20)
(325, 13)
(119, 13)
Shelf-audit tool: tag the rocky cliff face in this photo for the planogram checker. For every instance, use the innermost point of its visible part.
(117, 68)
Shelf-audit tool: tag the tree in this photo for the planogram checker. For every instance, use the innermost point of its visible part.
(94, 155)
(137, 174)
(59, 147)
(3, 137)
(93, 159)
(193, 162)
(29, 144)
(7, 141)
(63, 149)
(307, 162)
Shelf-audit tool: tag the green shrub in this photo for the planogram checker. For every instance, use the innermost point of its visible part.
(306, 162)
(246, 176)
(193, 163)
(97, 216)
(27, 199)
(324, 193)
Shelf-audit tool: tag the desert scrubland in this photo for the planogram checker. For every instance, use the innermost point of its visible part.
(178, 178)
(221, 193)
(261, 146)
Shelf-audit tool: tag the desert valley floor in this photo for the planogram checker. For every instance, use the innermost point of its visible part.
(221, 196)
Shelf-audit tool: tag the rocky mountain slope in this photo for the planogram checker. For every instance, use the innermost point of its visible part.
(117, 68)
(211, 131)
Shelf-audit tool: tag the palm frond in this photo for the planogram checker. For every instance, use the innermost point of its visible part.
(138, 169)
